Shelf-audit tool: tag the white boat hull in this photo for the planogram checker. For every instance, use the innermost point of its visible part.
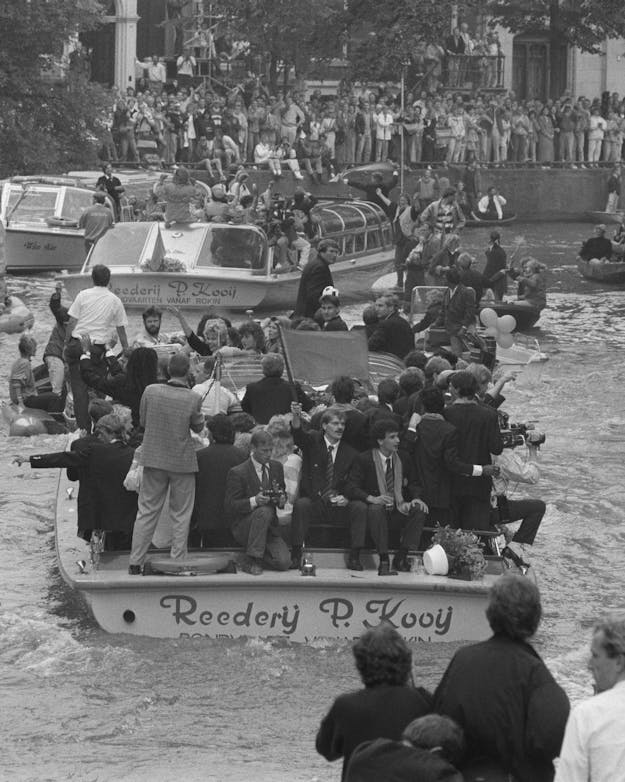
(33, 250)
(336, 603)
(228, 289)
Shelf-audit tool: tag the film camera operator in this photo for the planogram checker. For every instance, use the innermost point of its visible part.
(516, 468)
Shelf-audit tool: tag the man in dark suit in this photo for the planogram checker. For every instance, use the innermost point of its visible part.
(392, 333)
(478, 437)
(388, 394)
(253, 491)
(208, 524)
(382, 484)
(315, 277)
(459, 310)
(272, 395)
(433, 445)
(326, 464)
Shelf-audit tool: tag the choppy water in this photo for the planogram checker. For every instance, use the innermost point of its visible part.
(78, 704)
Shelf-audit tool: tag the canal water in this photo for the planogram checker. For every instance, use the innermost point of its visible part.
(78, 704)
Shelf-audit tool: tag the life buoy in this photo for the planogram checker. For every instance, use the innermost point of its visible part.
(16, 317)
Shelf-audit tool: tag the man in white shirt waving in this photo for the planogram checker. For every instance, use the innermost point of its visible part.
(593, 749)
(94, 312)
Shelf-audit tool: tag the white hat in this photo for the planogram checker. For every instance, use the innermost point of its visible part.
(435, 562)
(330, 290)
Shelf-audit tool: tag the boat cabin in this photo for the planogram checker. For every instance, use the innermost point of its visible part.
(44, 202)
(359, 227)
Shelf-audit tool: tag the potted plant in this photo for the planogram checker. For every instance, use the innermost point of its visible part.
(464, 552)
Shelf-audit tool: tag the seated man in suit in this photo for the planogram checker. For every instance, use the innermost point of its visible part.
(379, 482)
(326, 464)
(208, 524)
(253, 491)
(392, 333)
(272, 395)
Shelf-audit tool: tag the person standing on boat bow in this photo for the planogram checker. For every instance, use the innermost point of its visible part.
(315, 277)
(96, 220)
(168, 412)
(496, 267)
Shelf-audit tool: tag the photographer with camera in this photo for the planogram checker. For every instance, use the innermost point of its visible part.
(254, 489)
(514, 469)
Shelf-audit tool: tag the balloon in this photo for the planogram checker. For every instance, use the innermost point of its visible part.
(506, 324)
(488, 317)
(492, 331)
(505, 340)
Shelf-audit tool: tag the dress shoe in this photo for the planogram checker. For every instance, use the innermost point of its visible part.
(510, 554)
(354, 563)
(252, 566)
(385, 569)
(231, 567)
(134, 570)
(401, 563)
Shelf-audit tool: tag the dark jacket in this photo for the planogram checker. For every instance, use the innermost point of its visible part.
(508, 704)
(363, 478)
(114, 507)
(271, 396)
(315, 460)
(478, 437)
(434, 451)
(371, 713)
(315, 277)
(384, 760)
(596, 247)
(392, 335)
(459, 309)
(214, 464)
(355, 433)
(242, 483)
(336, 324)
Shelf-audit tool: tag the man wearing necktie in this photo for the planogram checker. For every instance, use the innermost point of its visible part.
(459, 310)
(382, 485)
(326, 464)
(253, 491)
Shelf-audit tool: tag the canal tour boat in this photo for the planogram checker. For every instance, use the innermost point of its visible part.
(192, 599)
(199, 265)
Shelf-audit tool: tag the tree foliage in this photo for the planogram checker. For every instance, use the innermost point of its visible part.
(295, 33)
(47, 123)
(386, 35)
(582, 23)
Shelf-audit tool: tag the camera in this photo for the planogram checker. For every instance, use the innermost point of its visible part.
(276, 495)
(516, 434)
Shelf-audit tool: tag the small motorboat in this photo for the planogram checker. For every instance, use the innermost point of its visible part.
(606, 217)
(600, 270)
(475, 221)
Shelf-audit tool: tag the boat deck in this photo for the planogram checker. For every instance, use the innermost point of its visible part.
(201, 603)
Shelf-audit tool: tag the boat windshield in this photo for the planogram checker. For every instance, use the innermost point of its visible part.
(122, 245)
(233, 247)
(29, 204)
(75, 202)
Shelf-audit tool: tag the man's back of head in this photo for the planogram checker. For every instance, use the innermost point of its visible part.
(272, 365)
(101, 275)
(178, 366)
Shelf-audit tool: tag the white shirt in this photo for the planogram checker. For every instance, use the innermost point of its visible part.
(334, 447)
(185, 66)
(217, 400)
(593, 749)
(98, 311)
(499, 202)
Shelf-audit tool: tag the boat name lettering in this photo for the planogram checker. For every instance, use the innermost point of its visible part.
(138, 290)
(185, 611)
(341, 611)
(34, 245)
(201, 288)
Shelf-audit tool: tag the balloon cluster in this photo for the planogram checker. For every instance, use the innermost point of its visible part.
(499, 327)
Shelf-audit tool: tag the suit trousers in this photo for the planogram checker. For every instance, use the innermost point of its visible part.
(152, 497)
(259, 533)
(307, 512)
(531, 512)
(379, 520)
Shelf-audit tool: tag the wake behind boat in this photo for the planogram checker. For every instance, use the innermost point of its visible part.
(198, 265)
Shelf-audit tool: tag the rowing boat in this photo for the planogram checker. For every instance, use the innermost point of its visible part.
(612, 272)
(606, 217)
(478, 222)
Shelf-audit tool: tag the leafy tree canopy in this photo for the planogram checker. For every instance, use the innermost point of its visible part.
(46, 124)
(582, 23)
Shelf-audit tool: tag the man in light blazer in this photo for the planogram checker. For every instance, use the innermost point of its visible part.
(254, 490)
